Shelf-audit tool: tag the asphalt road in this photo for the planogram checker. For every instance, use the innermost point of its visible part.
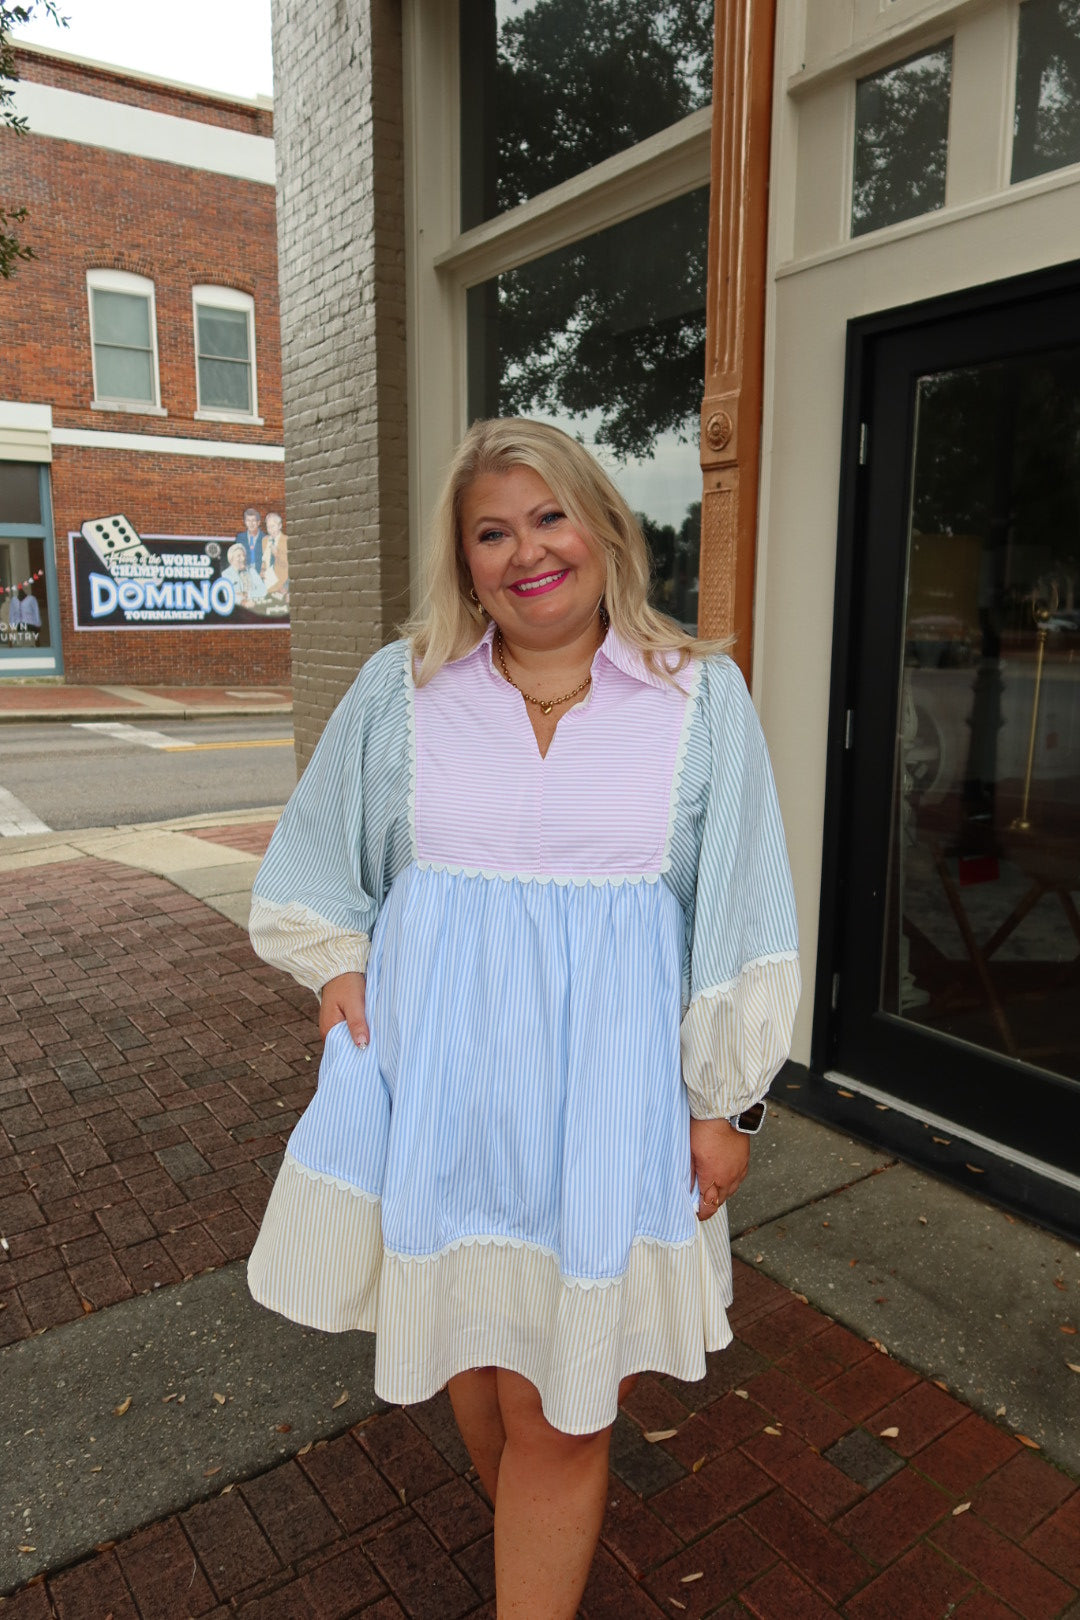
(65, 776)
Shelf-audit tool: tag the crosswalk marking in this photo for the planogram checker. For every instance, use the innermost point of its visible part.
(17, 820)
(125, 733)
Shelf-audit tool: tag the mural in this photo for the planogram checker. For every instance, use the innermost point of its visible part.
(120, 581)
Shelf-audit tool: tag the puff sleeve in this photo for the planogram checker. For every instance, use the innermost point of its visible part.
(743, 940)
(343, 836)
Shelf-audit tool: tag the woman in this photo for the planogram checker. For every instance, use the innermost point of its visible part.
(538, 845)
(275, 557)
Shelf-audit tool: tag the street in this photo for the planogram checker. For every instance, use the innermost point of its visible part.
(60, 775)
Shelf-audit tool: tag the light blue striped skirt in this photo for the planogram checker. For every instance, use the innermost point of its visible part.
(502, 1177)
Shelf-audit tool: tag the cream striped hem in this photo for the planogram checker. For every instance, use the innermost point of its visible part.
(300, 942)
(736, 1036)
(319, 1260)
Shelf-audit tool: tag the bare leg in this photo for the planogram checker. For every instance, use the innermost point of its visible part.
(475, 1398)
(550, 1505)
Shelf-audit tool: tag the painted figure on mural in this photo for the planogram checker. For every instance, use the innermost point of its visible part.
(251, 537)
(243, 577)
(275, 558)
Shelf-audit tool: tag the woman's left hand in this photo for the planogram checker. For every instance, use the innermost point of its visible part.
(719, 1159)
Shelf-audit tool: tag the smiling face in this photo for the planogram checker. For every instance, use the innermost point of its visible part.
(237, 556)
(537, 576)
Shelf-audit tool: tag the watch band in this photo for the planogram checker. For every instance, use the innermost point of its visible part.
(750, 1121)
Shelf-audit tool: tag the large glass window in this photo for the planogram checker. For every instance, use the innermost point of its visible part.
(901, 141)
(124, 340)
(225, 347)
(549, 88)
(24, 608)
(1046, 130)
(606, 338)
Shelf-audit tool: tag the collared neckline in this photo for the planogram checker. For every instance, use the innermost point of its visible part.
(613, 650)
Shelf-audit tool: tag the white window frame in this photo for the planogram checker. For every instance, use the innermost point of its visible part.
(443, 261)
(124, 281)
(225, 298)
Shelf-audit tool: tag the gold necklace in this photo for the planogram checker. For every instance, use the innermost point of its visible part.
(545, 705)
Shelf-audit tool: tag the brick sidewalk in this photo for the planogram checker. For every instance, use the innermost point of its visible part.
(252, 837)
(150, 1070)
(808, 1475)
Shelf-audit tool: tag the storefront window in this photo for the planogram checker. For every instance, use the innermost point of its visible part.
(20, 492)
(606, 338)
(24, 606)
(983, 933)
(549, 88)
(901, 141)
(1046, 131)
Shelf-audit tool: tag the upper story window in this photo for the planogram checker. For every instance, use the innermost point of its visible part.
(225, 352)
(1046, 123)
(123, 332)
(901, 141)
(549, 88)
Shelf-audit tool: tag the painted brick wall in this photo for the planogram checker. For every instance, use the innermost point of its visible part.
(164, 494)
(341, 248)
(90, 208)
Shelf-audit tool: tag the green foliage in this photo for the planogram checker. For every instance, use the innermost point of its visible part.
(12, 250)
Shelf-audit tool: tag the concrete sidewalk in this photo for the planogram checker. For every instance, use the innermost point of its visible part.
(57, 700)
(869, 1446)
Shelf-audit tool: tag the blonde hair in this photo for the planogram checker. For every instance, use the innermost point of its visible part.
(446, 625)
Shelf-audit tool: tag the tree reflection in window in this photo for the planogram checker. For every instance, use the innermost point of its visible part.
(901, 141)
(1046, 131)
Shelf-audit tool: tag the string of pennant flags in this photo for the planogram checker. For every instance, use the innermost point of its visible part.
(13, 590)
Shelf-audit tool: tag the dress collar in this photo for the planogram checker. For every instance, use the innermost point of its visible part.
(612, 650)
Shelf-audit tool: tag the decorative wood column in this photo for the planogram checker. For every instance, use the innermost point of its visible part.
(734, 361)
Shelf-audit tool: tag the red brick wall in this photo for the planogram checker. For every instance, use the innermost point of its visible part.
(112, 84)
(91, 208)
(180, 495)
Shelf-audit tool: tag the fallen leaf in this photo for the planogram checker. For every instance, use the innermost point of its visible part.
(401, 1493)
(675, 1604)
(1032, 1445)
(770, 1430)
(882, 1299)
(1065, 1328)
(922, 1220)
(1059, 1282)
(1000, 1412)
(824, 1223)
(941, 1384)
(802, 1299)
(961, 1507)
(342, 1398)
(882, 1108)
(219, 1398)
(96, 1469)
(695, 1468)
(758, 1258)
(840, 1093)
(24, 1548)
(853, 1262)
(165, 1399)
(1072, 1366)
(305, 1449)
(86, 1305)
(877, 1344)
(696, 1576)
(224, 1491)
(944, 1140)
(974, 1168)
(889, 1434)
(653, 1435)
(284, 1428)
(118, 1411)
(741, 1393)
(208, 1473)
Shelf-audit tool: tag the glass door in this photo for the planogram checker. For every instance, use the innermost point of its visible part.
(957, 956)
(29, 626)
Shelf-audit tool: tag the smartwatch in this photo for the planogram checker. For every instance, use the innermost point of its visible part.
(750, 1121)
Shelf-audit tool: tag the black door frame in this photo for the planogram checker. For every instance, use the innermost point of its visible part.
(1044, 1129)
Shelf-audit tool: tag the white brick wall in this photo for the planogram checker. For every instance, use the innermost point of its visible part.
(341, 254)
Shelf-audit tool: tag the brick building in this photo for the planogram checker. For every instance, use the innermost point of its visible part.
(140, 380)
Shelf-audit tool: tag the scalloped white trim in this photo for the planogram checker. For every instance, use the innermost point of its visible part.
(729, 985)
(692, 689)
(410, 712)
(595, 880)
(498, 1241)
(324, 1176)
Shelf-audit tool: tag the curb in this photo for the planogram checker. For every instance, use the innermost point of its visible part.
(202, 711)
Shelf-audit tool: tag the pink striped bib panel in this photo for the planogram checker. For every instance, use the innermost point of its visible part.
(597, 806)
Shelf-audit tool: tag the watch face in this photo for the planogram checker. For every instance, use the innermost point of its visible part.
(751, 1119)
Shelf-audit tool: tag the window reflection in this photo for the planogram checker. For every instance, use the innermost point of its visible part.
(606, 338)
(1046, 133)
(551, 87)
(901, 141)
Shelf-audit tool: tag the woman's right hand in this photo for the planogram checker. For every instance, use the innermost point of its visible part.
(342, 1002)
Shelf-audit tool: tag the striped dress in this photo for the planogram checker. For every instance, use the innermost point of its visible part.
(567, 957)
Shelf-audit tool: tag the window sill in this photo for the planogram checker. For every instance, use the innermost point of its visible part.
(128, 406)
(239, 417)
